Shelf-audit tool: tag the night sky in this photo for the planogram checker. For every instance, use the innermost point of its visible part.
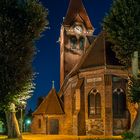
(46, 62)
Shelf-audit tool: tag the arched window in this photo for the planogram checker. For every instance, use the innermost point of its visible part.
(81, 43)
(94, 104)
(119, 103)
(91, 99)
(73, 42)
(115, 103)
(98, 104)
(39, 123)
(122, 102)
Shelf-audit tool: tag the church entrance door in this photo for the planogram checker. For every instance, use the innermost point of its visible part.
(54, 126)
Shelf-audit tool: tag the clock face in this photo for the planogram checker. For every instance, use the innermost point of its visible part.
(78, 29)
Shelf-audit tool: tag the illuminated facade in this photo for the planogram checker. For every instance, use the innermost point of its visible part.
(92, 99)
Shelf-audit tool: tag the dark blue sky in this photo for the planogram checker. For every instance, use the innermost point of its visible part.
(46, 62)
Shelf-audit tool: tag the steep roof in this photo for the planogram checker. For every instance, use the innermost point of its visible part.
(98, 54)
(76, 9)
(51, 105)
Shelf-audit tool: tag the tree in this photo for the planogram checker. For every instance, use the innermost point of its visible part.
(122, 25)
(3, 120)
(39, 101)
(134, 96)
(21, 23)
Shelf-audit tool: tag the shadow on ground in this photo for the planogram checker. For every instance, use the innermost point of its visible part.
(62, 137)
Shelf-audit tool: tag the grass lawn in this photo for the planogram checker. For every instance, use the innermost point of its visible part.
(61, 137)
(3, 137)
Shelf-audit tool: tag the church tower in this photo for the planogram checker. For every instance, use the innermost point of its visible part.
(75, 35)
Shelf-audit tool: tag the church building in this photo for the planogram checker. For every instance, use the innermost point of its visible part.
(93, 84)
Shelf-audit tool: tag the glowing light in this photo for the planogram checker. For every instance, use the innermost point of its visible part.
(28, 121)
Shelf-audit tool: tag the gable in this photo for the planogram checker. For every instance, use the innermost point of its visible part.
(51, 105)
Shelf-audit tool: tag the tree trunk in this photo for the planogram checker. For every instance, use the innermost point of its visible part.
(135, 66)
(136, 125)
(135, 69)
(12, 125)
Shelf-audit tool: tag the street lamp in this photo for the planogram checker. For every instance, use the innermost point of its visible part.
(22, 106)
(28, 122)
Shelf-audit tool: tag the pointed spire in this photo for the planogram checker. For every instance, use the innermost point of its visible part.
(51, 105)
(53, 84)
(75, 8)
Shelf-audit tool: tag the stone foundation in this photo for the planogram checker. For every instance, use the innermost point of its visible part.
(94, 127)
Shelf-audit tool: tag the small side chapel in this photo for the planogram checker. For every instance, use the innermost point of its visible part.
(93, 84)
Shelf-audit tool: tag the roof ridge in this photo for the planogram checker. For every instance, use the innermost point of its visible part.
(40, 104)
(58, 99)
(60, 104)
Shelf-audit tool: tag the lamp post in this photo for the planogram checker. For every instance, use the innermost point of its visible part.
(21, 120)
(22, 106)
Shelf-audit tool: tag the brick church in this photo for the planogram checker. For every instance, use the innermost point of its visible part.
(93, 84)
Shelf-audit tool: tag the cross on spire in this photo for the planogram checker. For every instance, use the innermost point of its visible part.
(53, 84)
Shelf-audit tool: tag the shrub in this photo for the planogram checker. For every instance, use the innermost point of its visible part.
(128, 136)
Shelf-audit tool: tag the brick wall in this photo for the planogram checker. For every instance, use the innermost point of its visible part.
(35, 125)
(81, 115)
(108, 105)
(94, 125)
(68, 125)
